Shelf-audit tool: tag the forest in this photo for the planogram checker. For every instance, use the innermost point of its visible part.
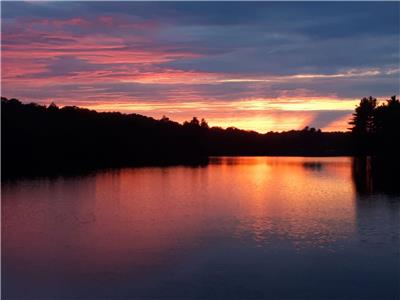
(41, 139)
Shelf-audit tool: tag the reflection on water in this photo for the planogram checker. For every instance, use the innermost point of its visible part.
(316, 166)
(286, 203)
(376, 175)
(240, 227)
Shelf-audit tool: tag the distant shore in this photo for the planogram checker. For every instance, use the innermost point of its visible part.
(38, 140)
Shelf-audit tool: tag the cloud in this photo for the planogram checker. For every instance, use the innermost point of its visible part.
(282, 58)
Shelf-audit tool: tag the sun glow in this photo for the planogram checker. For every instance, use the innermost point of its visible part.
(260, 115)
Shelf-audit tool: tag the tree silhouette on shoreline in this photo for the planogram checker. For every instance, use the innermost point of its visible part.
(36, 138)
(376, 128)
(363, 117)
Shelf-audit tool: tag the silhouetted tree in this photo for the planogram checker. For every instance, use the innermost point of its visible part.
(386, 116)
(387, 125)
(194, 122)
(363, 118)
(393, 101)
(164, 119)
(203, 124)
(363, 125)
(52, 107)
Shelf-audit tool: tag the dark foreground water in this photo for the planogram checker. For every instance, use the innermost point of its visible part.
(259, 227)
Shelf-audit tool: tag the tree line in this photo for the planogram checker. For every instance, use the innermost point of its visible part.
(38, 138)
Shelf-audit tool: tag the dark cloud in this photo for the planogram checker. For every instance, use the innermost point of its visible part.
(324, 118)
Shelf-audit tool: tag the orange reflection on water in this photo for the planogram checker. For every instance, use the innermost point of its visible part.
(140, 218)
(307, 201)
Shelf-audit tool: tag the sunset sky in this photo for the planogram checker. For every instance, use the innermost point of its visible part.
(260, 65)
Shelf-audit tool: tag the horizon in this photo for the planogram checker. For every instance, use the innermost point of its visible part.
(255, 66)
(199, 118)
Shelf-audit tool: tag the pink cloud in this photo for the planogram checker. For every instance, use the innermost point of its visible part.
(57, 60)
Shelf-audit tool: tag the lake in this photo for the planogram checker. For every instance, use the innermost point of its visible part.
(237, 228)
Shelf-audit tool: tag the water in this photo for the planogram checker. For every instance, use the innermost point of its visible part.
(256, 227)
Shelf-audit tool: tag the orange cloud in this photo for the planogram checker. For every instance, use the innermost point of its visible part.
(126, 72)
(261, 115)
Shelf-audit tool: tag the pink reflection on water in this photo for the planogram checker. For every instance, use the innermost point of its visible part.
(144, 218)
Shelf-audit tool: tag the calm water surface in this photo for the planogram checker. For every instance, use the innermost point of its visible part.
(256, 227)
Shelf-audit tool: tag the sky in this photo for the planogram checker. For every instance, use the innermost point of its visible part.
(264, 66)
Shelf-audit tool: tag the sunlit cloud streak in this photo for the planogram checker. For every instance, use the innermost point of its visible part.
(257, 66)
